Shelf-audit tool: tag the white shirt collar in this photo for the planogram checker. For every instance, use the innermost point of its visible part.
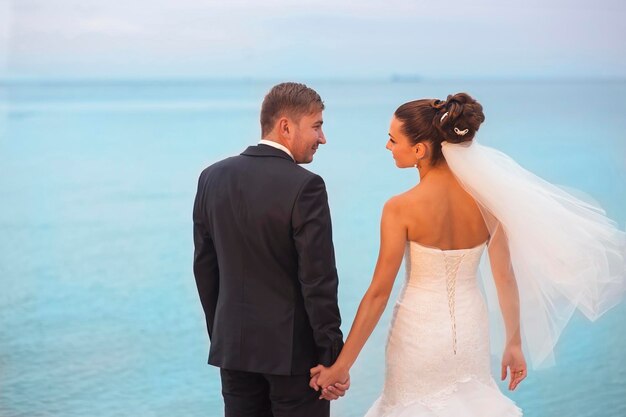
(277, 146)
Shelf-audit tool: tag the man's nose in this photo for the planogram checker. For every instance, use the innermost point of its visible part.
(322, 138)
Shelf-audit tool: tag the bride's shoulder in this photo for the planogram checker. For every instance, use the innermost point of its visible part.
(408, 200)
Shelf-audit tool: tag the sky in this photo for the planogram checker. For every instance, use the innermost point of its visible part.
(322, 38)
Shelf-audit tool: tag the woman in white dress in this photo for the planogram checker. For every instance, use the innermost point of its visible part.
(549, 253)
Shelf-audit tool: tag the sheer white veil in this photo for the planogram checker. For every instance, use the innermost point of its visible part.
(565, 254)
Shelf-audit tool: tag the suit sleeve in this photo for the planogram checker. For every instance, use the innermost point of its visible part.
(205, 267)
(317, 272)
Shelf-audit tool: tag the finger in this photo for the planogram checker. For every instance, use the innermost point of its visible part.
(334, 390)
(514, 384)
(325, 395)
(316, 370)
(521, 374)
(329, 395)
(345, 385)
(322, 382)
(512, 375)
(519, 379)
(503, 376)
(515, 378)
(342, 387)
(313, 383)
(337, 391)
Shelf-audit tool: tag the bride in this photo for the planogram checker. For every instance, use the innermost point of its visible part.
(549, 253)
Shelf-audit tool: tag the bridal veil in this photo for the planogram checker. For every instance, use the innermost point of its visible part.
(565, 254)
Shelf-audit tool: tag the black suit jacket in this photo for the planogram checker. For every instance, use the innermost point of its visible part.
(264, 264)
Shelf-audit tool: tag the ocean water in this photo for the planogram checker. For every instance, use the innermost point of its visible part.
(99, 314)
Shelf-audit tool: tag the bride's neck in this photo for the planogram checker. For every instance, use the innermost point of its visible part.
(439, 170)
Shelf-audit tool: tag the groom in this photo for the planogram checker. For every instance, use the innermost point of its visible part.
(264, 264)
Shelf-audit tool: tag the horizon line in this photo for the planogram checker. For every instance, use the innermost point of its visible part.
(393, 78)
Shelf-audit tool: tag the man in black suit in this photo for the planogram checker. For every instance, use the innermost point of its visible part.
(264, 264)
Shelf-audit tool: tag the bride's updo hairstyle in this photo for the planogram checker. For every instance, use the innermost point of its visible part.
(454, 120)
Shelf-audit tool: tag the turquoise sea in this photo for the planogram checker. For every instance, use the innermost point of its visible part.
(99, 314)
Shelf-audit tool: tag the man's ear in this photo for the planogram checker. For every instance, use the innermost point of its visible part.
(283, 126)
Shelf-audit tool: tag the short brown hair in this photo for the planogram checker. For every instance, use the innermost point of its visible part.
(288, 99)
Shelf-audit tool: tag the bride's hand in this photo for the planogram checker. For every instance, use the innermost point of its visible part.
(513, 359)
(333, 381)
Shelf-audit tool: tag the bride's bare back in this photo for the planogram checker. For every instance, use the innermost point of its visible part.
(440, 213)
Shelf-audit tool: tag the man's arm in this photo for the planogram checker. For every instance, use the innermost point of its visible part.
(317, 273)
(205, 266)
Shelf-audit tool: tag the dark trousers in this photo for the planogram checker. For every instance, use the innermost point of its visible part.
(249, 394)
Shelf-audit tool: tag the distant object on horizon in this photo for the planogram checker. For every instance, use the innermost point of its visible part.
(406, 78)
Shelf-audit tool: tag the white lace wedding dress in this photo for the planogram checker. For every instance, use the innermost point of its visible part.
(438, 355)
(566, 255)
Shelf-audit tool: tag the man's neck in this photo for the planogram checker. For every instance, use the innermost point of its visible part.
(276, 144)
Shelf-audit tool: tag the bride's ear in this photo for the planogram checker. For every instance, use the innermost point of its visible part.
(421, 150)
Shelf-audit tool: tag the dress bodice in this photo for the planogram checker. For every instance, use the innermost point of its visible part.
(433, 268)
(444, 274)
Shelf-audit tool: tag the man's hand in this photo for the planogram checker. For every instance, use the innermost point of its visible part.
(332, 382)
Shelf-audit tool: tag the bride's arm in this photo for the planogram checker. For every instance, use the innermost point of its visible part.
(508, 298)
(393, 237)
(504, 278)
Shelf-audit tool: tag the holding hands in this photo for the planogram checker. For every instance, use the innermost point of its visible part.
(333, 382)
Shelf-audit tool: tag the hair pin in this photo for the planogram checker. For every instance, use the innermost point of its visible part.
(460, 132)
(443, 117)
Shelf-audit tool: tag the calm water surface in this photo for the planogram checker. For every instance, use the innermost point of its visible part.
(99, 314)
